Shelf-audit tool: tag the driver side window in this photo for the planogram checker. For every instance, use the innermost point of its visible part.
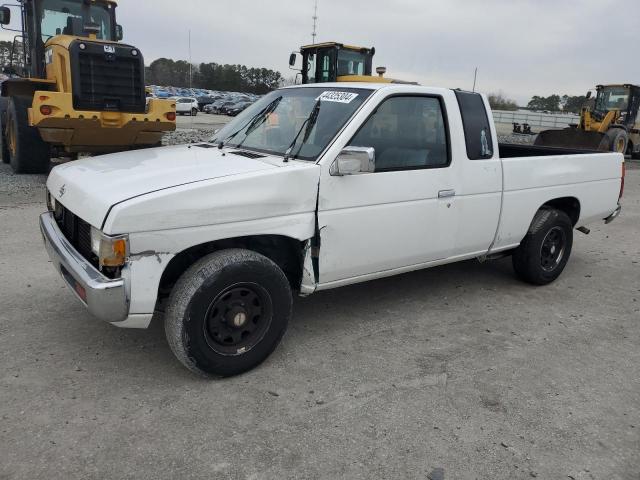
(407, 133)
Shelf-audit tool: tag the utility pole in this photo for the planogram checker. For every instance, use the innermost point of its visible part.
(475, 77)
(190, 63)
(315, 22)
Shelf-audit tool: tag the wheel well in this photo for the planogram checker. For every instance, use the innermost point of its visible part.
(568, 205)
(286, 252)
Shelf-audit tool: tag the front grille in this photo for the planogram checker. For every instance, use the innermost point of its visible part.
(108, 80)
(76, 231)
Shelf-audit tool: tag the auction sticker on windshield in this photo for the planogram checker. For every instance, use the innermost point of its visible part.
(340, 97)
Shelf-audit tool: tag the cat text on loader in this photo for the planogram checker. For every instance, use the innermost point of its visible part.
(610, 124)
(74, 88)
(337, 62)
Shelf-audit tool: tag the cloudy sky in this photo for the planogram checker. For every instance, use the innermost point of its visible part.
(521, 47)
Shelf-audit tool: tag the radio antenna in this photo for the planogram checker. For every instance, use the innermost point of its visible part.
(315, 22)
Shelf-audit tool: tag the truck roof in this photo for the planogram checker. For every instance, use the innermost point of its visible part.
(373, 86)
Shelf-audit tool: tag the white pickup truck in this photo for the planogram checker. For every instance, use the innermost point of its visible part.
(311, 188)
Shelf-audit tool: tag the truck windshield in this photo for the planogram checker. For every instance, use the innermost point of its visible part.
(272, 124)
(612, 98)
(69, 17)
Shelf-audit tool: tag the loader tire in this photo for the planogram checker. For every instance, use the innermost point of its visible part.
(4, 151)
(545, 250)
(616, 140)
(28, 153)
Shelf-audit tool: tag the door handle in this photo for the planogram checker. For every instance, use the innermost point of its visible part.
(446, 193)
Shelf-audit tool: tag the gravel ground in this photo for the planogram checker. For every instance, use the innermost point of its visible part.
(457, 372)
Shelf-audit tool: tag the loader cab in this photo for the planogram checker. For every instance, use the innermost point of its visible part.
(43, 20)
(624, 99)
(334, 62)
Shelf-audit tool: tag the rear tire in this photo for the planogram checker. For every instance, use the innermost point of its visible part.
(4, 150)
(228, 312)
(28, 153)
(545, 250)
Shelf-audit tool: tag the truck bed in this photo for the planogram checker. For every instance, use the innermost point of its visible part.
(538, 175)
(511, 150)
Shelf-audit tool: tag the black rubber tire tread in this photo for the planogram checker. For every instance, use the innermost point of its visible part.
(526, 258)
(194, 112)
(4, 151)
(201, 283)
(32, 153)
(611, 139)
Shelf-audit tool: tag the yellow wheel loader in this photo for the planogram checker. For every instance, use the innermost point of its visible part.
(610, 124)
(336, 62)
(73, 88)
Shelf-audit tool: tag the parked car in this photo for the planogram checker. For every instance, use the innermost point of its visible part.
(381, 179)
(238, 108)
(205, 100)
(221, 108)
(186, 106)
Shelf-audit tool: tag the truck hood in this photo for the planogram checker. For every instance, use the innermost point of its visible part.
(92, 186)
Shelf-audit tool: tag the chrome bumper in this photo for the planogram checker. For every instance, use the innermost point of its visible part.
(105, 299)
(614, 215)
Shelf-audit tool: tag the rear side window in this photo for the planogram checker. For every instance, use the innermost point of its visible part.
(477, 129)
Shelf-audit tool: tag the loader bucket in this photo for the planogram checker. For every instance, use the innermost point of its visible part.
(573, 138)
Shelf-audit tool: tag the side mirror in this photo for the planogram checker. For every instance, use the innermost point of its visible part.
(5, 15)
(354, 161)
(119, 33)
(588, 95)
(292, 59)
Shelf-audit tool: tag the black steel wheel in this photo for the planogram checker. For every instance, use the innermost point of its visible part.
(552, 249)
(228, 312)
(545, 250)
(238, 318)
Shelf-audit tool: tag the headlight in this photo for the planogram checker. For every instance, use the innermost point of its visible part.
(111, 251)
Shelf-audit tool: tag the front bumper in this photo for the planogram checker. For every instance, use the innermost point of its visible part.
(105, 298)
(98, 131)
(614, 215)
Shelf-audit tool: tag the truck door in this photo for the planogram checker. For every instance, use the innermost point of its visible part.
(403, 214)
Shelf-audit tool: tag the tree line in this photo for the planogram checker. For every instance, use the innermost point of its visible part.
(212, 76)
(556, 103)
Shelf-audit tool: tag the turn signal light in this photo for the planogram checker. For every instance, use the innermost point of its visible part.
(171, 116)
(46, 110)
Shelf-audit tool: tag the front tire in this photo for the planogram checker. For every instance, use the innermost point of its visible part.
(545, 250)
(194, 112)
(28, 153)
(4, 150)
(228, 312)
(615, 140)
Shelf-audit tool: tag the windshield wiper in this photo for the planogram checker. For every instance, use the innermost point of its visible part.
(253, 123)
(307, 126)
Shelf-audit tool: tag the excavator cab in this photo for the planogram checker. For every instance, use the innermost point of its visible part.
(334, 62)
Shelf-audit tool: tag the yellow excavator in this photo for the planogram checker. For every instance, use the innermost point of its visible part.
(337, 62)
(610, 123)
(73, 87)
